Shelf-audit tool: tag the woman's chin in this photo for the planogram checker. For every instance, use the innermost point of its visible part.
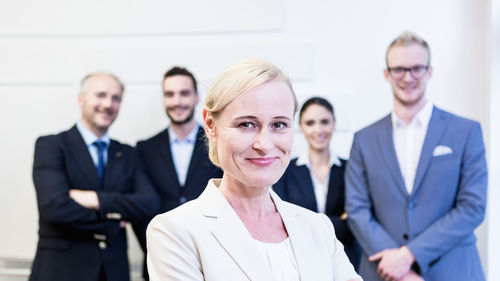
(261, 182)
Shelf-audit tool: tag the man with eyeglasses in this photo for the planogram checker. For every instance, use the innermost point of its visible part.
(416, 181)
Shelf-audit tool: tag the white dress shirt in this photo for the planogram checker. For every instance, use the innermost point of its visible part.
(408, 142)
(182, 151)
(89, 138)
(320, 187)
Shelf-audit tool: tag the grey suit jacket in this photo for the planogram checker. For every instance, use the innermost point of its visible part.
(437, 220)
(204, 239)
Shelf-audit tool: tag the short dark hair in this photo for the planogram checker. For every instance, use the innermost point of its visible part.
(319, 101)
(178, 70)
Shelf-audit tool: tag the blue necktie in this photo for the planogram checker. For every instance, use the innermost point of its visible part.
(101, 146)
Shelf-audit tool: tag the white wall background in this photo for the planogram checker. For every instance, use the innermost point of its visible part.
(330, 48)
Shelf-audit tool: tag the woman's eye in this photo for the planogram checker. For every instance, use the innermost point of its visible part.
(280, 125)
(246, 125)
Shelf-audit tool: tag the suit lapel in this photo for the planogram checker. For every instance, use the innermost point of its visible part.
(198, 150)
(305, 187)
(166, 156)
(437, 126)
(231, 233)
(300, 235)
(82, 157)
(386, 144)
(114, 164)
(335, 189)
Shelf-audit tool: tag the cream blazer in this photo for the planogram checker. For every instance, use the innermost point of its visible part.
(204, 239)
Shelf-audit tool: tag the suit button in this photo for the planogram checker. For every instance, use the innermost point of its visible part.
(411, 205)
(113, 216)
(100, 237)
(182, 200)
(102, 245)
(405, 236)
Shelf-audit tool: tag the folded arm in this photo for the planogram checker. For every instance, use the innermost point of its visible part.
(137, 206)
(52, 189)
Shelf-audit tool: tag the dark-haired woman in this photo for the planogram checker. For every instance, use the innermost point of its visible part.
(315, 180)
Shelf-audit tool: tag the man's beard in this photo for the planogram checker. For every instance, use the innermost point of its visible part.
(181, 122)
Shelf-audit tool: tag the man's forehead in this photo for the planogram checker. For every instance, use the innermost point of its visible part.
(411, 54)
(179, 81)
(104, 83)
(102, 79)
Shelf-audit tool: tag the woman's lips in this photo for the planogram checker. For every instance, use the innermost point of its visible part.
(262, 161)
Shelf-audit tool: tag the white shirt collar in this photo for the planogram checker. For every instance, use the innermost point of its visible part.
(191, 137)
(89, 137)
(303, 159)
(422, 118)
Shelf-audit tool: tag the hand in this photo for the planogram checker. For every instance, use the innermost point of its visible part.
(394, 263)
(344, 216)
(412, 276)
(85, 198)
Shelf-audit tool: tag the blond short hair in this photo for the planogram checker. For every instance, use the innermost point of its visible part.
(408, 38)
(235, 80)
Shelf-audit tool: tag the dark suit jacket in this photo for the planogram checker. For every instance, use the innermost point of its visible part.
(296, 186)
(157, 159)
(75, 242)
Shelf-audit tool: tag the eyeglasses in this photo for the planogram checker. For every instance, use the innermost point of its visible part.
(417, 71)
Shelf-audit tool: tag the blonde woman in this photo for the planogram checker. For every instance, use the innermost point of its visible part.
(238, 229)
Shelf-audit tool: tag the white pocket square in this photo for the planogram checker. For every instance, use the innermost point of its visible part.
(441, 150)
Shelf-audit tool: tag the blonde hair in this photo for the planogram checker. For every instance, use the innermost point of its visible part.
(408, 38)
(235, 80)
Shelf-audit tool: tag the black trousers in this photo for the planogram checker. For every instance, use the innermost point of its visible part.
(102, 274)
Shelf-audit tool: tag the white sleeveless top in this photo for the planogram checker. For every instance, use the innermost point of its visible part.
(280, 259)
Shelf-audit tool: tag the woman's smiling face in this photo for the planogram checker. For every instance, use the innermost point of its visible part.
(254, 134)
(317, 124)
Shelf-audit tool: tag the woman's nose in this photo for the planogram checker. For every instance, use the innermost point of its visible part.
(263, 141)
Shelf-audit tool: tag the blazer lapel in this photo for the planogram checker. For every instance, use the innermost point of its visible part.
(300, 235)
(435, 131)
(166, 155)
(335, 189)
(199, 148)
(386, 144)
(305, 187)
(232, 234)
(113, 165)
(82, 157)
